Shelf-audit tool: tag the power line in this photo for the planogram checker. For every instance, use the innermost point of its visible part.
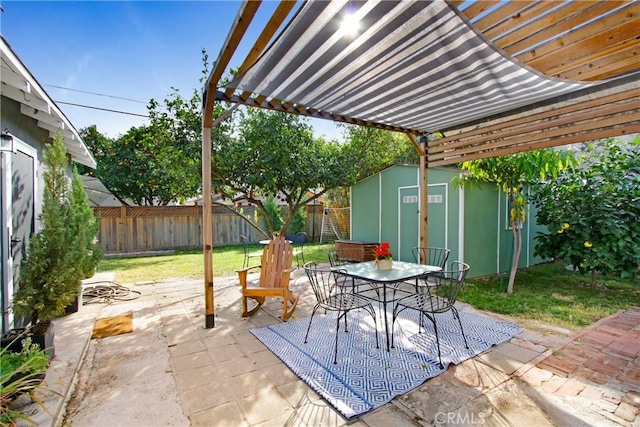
(102, 109)
(98, 94)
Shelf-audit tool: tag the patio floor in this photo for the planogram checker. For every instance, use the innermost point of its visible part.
(172, 371)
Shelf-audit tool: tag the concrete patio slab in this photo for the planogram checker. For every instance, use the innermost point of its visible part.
(172, 371)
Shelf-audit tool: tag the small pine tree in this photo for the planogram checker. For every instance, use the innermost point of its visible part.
(50, 274)
(85, 227)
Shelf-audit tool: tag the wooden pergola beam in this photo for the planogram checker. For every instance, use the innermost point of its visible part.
(619, 58)
(554, 47)
(541, 134)
(578, 52)
(496, 22)
(555, 142)
(478, 7)
(278, 105)
(276, 20)
(615, 91)
(423, 185)
(243, 19)
(517, 18)
(569, 115)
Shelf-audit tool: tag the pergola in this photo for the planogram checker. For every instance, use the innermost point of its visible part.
(493, 77)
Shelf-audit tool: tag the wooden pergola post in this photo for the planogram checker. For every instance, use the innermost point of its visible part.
(241, 23)
(207, 217)
(423, 185)
(207, 227)
(424, 196)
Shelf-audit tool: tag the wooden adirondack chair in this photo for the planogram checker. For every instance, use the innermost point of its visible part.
(277, 259)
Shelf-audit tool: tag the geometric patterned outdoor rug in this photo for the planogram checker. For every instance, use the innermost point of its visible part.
(366, 377)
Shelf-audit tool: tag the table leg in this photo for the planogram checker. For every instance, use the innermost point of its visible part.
(384, 306)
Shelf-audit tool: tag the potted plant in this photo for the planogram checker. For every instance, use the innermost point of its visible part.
(20, 372)
(383, 256)
(51, 273)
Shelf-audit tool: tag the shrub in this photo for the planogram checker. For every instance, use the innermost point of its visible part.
(593, 212)
(19, 373)
(298, 221)
(274, 211)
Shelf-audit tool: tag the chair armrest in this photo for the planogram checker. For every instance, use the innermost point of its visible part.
(242, 274)
(248, 268)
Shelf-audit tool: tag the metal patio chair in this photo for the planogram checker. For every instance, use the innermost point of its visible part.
(248, 255)
(333, 294)
(439, 297)
(432, 256)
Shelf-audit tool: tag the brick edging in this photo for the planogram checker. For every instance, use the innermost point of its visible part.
(561, 344)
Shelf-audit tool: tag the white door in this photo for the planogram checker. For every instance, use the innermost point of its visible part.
(409, 227)
(18, 183)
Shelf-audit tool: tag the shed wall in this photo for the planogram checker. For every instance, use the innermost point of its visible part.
(471, 222)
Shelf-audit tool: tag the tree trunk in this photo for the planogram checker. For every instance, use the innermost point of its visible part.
(517, 248)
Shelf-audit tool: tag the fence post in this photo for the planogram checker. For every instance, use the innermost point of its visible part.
(122, 228)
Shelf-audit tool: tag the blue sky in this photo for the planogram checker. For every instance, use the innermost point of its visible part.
(128, 49)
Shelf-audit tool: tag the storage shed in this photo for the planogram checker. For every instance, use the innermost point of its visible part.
(470, 221)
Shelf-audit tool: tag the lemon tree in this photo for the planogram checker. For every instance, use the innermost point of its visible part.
(593, 211)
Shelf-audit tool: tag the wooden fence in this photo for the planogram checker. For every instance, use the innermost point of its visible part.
(130, 229)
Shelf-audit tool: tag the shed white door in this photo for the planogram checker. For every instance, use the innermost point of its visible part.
(409, 216)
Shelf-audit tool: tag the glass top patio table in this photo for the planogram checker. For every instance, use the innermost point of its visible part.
(267, 241)
(400, 272)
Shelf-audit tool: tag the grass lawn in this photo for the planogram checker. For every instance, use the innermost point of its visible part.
(548, 293)
(552, 294)
(190, 263)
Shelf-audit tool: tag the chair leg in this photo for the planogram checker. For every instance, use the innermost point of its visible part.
(394, 317)
(457, 316)
(310, 320)
(346, 327)
(435, 328)
(335, 347)
(375, 323)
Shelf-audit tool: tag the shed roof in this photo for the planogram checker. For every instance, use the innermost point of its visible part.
(495, 77)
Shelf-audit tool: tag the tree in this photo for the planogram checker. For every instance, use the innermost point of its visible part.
(153, 164)
(97, 144)
(511, 173)
(593, 212)
(277, 153)
(51, 273)
(373, 150)
(376, 149)
(85, 226)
